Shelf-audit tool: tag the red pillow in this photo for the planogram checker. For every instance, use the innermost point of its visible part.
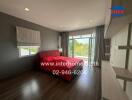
(49, 53)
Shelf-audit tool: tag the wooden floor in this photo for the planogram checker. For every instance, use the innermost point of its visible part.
(35, 85)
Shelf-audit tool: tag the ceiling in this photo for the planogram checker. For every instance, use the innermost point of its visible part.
(60, 15)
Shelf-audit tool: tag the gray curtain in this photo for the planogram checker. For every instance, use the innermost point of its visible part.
(64, 43)
(99, 45)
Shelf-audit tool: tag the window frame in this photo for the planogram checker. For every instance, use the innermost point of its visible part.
(29, 49)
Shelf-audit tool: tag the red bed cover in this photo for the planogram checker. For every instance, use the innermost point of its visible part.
(61, 66)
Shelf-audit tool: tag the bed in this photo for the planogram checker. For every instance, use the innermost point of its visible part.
(66, 67)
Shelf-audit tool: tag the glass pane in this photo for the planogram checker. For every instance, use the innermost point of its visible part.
(77, 36)
(86, 35)
(93, 35)
(93, 49)
(70, 37)
(81, 47)
(70, 48)
(27, 50)
(33, 50)
(24, 51)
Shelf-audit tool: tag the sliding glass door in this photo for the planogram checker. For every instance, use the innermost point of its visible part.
(82, 46)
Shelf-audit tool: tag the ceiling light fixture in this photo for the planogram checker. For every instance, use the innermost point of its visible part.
(27, 9)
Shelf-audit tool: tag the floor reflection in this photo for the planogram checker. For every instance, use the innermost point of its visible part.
(30, 89)
(35, 85)
(84, 82)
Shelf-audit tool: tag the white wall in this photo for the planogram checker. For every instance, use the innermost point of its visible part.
(118, 57)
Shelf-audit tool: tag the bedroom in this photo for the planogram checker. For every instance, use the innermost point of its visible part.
(54, 49)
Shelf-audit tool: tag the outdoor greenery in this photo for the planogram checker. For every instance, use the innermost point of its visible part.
(31, 50)
(83, 47)
(80, 49)
(70, 48)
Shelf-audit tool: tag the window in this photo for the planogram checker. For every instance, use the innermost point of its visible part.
(82, 46)
(28, 50)
(77, 36)
(70, 48)
(28, 41)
